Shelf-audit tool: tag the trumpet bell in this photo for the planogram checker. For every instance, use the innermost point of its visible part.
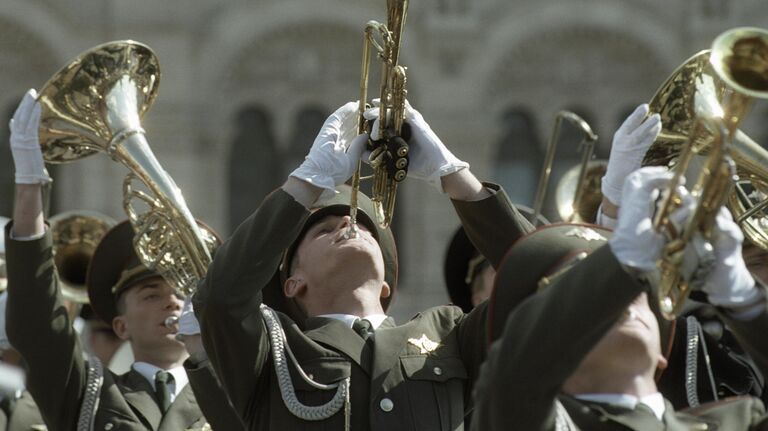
(73, 122)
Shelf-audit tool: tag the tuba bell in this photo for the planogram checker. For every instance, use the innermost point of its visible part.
(701, 106)
(75, 237)
(95, 104)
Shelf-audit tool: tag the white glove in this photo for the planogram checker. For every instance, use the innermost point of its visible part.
(730, 283)
(429, 159)
(188, 324)
(630, 144)
(25, 144)
(635, 242)
(333, 158)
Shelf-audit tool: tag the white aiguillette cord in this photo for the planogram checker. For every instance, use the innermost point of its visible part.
(310, 413)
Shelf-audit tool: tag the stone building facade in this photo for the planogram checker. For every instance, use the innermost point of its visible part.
(246, 83)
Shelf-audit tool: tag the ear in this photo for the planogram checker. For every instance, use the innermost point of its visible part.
(662, 363)
(121, 328)
(294, 286)
(385, 290)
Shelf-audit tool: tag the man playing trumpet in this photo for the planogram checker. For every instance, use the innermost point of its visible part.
(329, 357)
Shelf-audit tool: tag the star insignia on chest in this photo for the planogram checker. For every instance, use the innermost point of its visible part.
(586, 234)
(424, 344)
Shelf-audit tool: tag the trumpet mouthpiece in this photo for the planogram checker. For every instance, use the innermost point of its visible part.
(171, 321)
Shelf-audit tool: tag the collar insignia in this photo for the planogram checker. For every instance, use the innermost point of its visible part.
(586, 234)
(424, 344)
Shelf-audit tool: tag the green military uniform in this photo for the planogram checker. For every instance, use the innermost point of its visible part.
(39, 328)
(416, 376)
(20, 414)
(549, 333)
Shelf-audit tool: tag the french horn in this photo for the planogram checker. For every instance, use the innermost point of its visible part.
(95, 104)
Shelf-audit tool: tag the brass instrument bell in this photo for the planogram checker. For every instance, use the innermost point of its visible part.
(75, 236)
(95, 104)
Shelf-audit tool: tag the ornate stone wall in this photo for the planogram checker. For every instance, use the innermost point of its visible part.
(489, 76)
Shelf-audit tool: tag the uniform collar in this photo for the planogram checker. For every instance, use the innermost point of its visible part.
(653, 401)
(148, 371)
(349, 319)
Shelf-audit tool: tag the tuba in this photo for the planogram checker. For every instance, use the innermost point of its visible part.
(75, 237)
(569, 211)
(389, 157)
(701, 106)
(95, 104)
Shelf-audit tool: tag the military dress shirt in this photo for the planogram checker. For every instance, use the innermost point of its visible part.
(413, 377)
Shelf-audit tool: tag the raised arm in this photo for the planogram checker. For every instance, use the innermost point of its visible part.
(228, 299)
(37, 322)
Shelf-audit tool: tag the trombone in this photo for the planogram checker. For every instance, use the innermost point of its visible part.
(701, 106)
(389, 156)
(587, 145)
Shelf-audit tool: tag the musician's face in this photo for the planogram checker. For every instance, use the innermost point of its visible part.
(145, 306)
(632, 345)
(325, 259)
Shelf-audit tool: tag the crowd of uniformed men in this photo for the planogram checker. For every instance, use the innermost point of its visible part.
(555, 328)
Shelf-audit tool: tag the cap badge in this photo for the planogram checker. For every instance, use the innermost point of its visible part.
(586, 234)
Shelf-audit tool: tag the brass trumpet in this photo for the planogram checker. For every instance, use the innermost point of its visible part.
(95, 104)
(389, 157)
(587, 145)
(701, 107)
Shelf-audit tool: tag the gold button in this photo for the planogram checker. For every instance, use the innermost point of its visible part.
(386, 404)
(438, 371)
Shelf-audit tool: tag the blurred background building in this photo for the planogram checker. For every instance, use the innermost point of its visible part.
(246, 84)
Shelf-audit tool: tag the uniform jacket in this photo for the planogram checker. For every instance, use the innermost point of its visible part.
(39, 328)
(545, 339)
(395, 383)
(20, 414)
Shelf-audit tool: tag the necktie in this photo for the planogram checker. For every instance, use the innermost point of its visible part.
(363, 328)
(163, 379)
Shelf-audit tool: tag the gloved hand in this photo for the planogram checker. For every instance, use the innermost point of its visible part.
(429, 159)
(188, 324)
(630, 144)
(25, 144)
(730, 283)
(635, 242)
(333, 157)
